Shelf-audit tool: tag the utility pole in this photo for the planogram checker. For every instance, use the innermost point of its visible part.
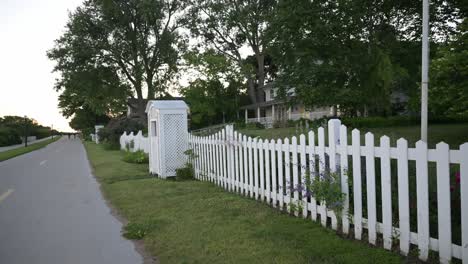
(52, 130)
(25, 131)
(425, 70)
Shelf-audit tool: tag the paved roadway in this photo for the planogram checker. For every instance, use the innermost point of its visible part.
(22, 144)
(51, 211)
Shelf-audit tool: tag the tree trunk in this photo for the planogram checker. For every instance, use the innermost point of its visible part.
(251, 90)
(260, 76)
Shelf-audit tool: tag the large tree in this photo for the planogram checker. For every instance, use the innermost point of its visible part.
(112, 49)
(353, 53)
(236, 29)
(216, 93)
(449, 76)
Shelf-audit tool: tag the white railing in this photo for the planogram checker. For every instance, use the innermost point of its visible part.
(134, 142)
(266, 170)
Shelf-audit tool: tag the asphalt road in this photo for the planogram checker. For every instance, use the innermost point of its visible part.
(51, 211)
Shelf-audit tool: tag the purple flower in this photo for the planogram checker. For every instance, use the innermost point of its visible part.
(457, 177)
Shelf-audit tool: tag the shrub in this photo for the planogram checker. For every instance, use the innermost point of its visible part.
(9, 136)
(139, 157)
(187, 172)
(115, 128)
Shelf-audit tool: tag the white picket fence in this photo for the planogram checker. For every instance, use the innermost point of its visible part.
(265, 169)
(134, 142)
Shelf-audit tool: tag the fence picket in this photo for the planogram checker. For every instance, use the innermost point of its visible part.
(262, 170)
(464, 200)
(423, 199)
(287, 182)
(295, 184)
(251, 184)
(246, 167)
(266, 146)
(255, 149)
(218, 162)
(357, 221)
(303, 183)
(344, 177)
(386, 184)
(443, 203)
(236, 162)
(231, 159)
(279, 148)
(273, 172)
(370, 184)
(403, 196)
(224, 159)
(322, 161)
(210, 149)
(313, 202)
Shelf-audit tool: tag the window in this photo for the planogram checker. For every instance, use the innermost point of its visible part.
(154, 129)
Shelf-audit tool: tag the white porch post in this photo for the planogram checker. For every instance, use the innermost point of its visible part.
(258, 114)
(246, 115)
(273, 113)
(289, 113)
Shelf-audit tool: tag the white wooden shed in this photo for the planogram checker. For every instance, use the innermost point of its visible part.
(168, 136)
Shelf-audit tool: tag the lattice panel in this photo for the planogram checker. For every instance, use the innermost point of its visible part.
(174, 128)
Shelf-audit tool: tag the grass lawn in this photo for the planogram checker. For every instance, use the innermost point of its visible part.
(197, 222)
(452, 134)
(22, 150)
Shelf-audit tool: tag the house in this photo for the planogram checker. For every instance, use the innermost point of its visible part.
(273, 109)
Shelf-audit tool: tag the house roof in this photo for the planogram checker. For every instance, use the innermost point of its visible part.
(166, 104)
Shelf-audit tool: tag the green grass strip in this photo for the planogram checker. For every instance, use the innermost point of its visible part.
(5, 155)
(198, 222)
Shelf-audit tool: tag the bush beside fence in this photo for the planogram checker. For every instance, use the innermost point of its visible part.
(277, 172)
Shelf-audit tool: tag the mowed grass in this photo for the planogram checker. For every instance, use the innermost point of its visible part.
(197, 222)
(5, 155)
(452, 134)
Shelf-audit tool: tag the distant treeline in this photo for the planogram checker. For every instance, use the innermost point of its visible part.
(13, 128)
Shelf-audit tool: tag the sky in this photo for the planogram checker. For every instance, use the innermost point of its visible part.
(28, 29)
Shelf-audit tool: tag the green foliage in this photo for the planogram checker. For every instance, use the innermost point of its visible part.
(187, 172)
(354, 54)
(215, 97)
(18, 126)
(448, 93)
(326, 188)
(9, 136)
(116, 127)
(139, 157)
(232, 28)
(112, 50)
(135, 231)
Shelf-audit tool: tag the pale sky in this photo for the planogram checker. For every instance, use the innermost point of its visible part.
(28, 29)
